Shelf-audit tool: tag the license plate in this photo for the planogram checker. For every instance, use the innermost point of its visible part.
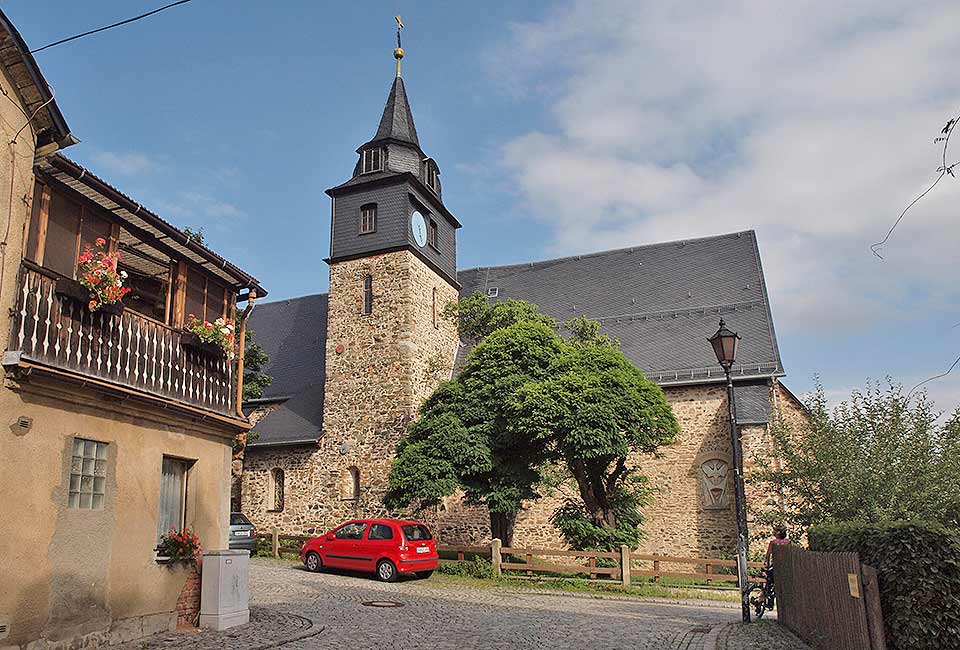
(423, 549)
(242, 533)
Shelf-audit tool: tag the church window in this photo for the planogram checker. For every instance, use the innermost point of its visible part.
(372, 160)
(368, 218)
(350, 484)
(432, 234)
(713, 483)
(276, 496)
(368, 294)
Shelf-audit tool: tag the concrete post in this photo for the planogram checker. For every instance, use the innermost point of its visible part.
(625, 565)
(495, 557)
(276, 543)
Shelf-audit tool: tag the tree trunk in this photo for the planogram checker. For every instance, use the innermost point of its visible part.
(592, 487)
(501, 526)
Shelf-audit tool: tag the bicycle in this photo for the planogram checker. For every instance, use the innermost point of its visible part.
(762, 597)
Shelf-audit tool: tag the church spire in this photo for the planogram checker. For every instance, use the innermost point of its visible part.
(396, 123)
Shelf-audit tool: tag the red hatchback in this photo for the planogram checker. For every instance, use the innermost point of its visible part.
(384, 547)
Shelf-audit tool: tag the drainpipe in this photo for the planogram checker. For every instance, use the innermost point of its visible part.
(251, 297)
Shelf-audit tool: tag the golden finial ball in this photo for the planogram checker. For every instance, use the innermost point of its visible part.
(398, 53)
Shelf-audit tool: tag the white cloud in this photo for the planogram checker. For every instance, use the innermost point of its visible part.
(810, 122)
(201, 208)
(127, 164)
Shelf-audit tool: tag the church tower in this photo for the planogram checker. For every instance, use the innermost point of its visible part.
(393, 269)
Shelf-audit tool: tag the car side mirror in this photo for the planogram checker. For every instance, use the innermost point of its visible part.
(330, 537)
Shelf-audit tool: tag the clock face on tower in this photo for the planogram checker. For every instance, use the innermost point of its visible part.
(419, 225)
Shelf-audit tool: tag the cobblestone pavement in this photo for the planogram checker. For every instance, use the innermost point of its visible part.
(297, 610)
(763, 635)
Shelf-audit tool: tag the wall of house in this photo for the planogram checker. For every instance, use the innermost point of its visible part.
(16, 162)
(77, 573)
(379, 369)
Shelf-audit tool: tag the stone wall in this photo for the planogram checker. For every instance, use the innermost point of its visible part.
(380, 367)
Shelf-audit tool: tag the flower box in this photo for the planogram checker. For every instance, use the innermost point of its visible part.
(73, 290)
(191, 341)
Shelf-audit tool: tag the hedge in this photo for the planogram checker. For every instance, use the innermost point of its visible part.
(919, 570)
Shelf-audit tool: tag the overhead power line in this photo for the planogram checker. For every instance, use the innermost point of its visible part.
(103, 29)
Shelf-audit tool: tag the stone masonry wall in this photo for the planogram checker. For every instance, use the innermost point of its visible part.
(380, 367)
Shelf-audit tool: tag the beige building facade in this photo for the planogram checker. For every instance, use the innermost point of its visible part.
(111, 430)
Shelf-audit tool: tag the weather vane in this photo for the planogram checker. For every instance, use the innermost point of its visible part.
(398, 53)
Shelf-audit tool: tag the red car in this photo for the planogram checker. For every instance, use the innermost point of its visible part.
(384, 547)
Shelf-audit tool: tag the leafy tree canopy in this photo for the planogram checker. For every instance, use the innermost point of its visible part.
(879, 456)
(595, 408)
(476, 317)
(254, 359)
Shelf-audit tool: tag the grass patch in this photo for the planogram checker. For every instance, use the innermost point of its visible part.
(575, 585)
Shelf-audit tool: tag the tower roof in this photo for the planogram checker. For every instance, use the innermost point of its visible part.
(397, 120)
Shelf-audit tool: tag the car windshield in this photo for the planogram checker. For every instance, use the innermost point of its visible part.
(238, 519)
(416, 532)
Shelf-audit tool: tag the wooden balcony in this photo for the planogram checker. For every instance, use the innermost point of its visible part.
(129, 351)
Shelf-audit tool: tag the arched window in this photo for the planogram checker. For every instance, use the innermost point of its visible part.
(275, 496)
(368, 294)
(368, 218)
(350, 484)
(713, 483)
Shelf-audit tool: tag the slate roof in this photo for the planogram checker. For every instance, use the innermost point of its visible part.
(396, 123)
(661, 301)
(293, 333)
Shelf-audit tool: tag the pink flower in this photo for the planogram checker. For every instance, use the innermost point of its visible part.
(101, 241)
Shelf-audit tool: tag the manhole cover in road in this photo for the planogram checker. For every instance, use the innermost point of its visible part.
(382, 603)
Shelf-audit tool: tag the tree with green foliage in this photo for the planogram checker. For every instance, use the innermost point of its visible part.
(254, 359)
(594, 409)
(878, 457)
(463, 439)
(476, 317)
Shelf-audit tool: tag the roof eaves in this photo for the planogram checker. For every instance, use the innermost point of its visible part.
(174, 236)
(282, 443)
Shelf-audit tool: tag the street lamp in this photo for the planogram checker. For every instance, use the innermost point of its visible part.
(725, 345)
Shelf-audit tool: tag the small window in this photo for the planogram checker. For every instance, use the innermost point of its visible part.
(353, 530)
(493, 292)
(432, 234)
(372, 160)
(88, 474)
(380, 531)
(173, 495)
(368, 218)
(368, 294)
(276, 490)
(350, 484)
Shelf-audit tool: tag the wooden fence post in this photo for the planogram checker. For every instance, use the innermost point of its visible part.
(593, 565)
(495, 547)
(276, 543)
(709, 571)
(871, 601)
(625, 566)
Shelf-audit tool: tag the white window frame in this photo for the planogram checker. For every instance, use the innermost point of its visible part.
(371, 160)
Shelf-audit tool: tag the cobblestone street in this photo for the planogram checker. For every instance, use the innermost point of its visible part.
(302, 611)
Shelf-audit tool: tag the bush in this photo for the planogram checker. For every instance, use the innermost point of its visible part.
(478, 568)
(919, 569)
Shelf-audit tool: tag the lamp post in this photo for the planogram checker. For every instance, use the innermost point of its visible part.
(725, 345)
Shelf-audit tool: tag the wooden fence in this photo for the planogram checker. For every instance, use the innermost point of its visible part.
(830, 600)
(564, 563)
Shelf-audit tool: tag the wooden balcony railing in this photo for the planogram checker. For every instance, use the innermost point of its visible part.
(127, 349)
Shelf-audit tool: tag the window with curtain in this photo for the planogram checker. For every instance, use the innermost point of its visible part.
(173, 495)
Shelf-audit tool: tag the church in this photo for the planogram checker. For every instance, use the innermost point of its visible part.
(351, 367)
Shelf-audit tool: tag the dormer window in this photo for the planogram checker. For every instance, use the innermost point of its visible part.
(372, 160)
(368, 218)
(433, 176)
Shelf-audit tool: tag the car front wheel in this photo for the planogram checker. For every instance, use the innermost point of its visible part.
(386, 571)
(313, 562)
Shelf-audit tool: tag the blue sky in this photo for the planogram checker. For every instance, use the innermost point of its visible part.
(560, 128)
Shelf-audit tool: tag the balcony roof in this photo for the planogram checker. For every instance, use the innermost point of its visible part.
(148, 223)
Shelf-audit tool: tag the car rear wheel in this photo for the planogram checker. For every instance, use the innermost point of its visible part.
(424, 574)
(386, 571)
(313, 562)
